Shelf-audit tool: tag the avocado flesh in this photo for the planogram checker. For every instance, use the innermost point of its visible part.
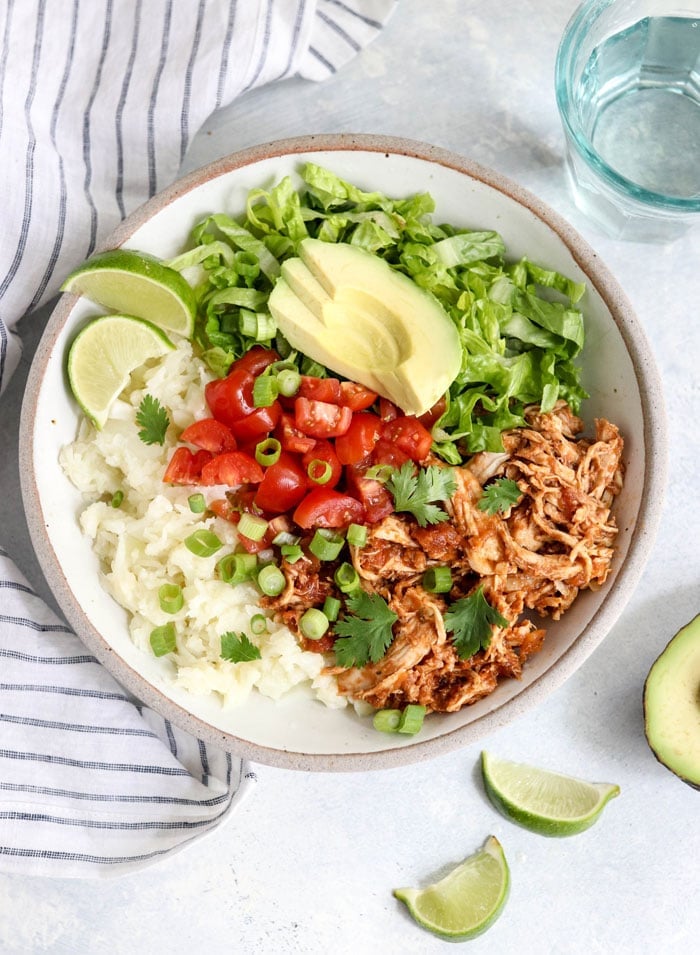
(349, 310)
(672, 705)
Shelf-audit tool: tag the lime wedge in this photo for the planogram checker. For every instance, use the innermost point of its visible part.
(542, 801)
(467, 900)
(104, 354)
(133, 283)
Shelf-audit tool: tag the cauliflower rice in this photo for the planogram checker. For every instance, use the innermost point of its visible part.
(141, 546)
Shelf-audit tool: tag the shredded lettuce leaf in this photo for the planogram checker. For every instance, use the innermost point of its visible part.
(518, 322)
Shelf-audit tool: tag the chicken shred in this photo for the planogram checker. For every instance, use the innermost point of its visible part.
(532, 561)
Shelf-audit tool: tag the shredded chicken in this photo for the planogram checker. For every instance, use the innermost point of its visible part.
(535, 558)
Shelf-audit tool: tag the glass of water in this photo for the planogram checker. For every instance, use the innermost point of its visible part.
(628, 91)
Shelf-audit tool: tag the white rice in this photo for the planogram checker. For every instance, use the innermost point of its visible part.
(141, 546)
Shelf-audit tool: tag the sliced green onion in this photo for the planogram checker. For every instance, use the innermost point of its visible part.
(236, 568)
(285, 537)
(380, 472)
(313, 624)
(197, 502)
(319, 471)
(412, 719)
(247, 265)
(288, 381)
(117, 499)
(265, 391)
(268, 452)
(437, 580)
(271, 580)
(387, 721)
(248, 323)
(170, 598)
(163, 639)
(357, 535)
(347, 578)
(291, 552)
(326, 544)
(312, 368)
(203, 543)
(258, 624)
(252, 526)
(331, 608)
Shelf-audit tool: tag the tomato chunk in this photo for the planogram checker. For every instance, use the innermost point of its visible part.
(255, 360)
(434, 414)
(185, 467)
(321, 419)
(325, 507)
(322, 453)
(409, 436)
(283, 485)
(359, 440)
(385, 452)
(290, 437)
(374, 497)
(355, 396)
(320, 389)
(210, 434)
(231, 398)
(257, 424)
(232, 468)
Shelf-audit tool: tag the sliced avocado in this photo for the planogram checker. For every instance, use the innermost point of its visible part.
(672, 705)
(354, 313)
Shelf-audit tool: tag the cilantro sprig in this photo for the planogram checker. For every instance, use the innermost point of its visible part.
(153, 419)
(417, 490)
(499, 496)
(470, 619)
(238, 648)
(365, 633)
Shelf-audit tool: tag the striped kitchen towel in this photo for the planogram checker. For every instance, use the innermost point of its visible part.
(99, 100)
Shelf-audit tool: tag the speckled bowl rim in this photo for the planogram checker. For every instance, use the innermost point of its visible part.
(655, 441)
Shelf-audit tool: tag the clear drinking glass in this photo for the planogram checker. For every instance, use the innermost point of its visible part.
(628, 90)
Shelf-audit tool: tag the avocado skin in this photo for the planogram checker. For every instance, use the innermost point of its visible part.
(687, 639)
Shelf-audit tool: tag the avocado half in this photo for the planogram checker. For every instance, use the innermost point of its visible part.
(672, 705)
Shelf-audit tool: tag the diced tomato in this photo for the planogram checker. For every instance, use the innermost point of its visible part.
(232, 468)
(359, 440)
(320, 389)
(225, 509)
(257, 424)
(356, 397)
(374, 497)
(387, 453)
(210, 434)
(290, 437)
(321, 419)
(283, 485)
(185, 467)
(231, 398)
(324, 453)
(387, 409)
(256, 360)
(409, 436)
(325, 507)
(433, 414)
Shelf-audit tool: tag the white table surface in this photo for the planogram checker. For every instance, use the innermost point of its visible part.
(307, 865)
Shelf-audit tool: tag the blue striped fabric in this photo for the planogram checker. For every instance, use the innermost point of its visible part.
(99, 100)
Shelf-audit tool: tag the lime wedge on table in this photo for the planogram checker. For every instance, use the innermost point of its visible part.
(467, 900)
(133, 283)
(104, 354)
(543, 801)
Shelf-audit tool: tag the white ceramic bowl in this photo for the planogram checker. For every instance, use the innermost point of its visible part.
(619, 373)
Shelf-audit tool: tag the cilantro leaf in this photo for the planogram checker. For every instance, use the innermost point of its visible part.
(237, 648)
(470, 619)
(365, 633)
(416, 491)
(499, 496)
(153, 419)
